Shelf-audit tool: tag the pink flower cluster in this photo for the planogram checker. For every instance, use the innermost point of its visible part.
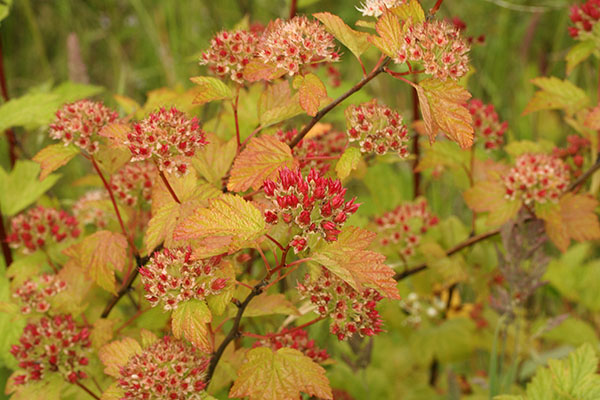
(171, 276)
(584, 17)
(537, 178)
(34, 294)
(438, 46)
(295, 339)
(88, 209)
(375, 8)
(52, 345)
(314, 152)
(229, 53)
(167, 136)
(39, 226)
(352, 312)
(487, 124)
(573, 154)
(314, 204)
(134, 182)
(377, 128)
(80, 122)
(291, 44)
(168, 369)
(404, 226)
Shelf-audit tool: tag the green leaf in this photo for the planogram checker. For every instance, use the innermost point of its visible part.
(517, 148)
(281, 375)
(556, 94)
(278, 104)
(189, 321)
(445, 154)
(53, 157)
(579, 53)
(347, 162)
(213, 160)
(357, 42)
(5, 9)
(210, 89)
(22, 180)
(389, 29)
(410, 11)
(37, 109)
(113, 392)
(11, 325)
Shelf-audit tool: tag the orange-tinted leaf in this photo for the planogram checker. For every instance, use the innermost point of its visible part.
(260, 160)
(257, 70)
(53, 157)
(213, 160)
(488, 196)
(357, 42)
(592, 120)
(210, 89)
(278, 104)
(189, 321)
(443, 105)
(348, 259)
(310, 93)
(390, 33)
(280, 375)
(116, 134)
(115, 355)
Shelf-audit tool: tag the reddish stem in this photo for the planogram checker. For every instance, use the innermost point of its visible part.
(282, 277)
(272, 239)
(88, 391)
(272, 335)
(322, 158)
(416, 145)
(169, 188)
(293, 7)
(262, 255)
(435, 8)
(130, 320)
(234, 105)
(398, 74)
(10, 134)
(244, 284)
(6, 252)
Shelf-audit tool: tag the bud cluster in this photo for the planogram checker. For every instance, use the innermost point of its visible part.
(167, 136)
(573, 154)
(584, 17)
(80, 122)
(375, 8)
(88, 211)
(134, 182)
(404, 226)
(537, 178)
(352, 312)
(487, 124)
(168, 369)
(171, 276)
(295, 339)
(229, 53)
(438, 46)
(377, 128)
(39, 226)
(314, 204)
(313, 152)
(291, 44)
(52, 345)
(34, 294)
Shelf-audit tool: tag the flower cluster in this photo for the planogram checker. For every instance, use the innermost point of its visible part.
(80, 122)
(584, 17)
(134, 182)
(573, 154)
(88, 210)
(39, 226)
(437, 45)
(487, 124)
(169, 137)
(352, 312)
(229, 53)
(52, 345)
(377, 128)
(537, 178)
(168, 369)
(314, 152)
(290, 44)
(375, 8)
(171, 276)
(404, 226)
(314, 204)
(295, 339)
(34, 294)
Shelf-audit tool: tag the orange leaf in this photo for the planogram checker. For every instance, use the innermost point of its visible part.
(310, 91)
(257, 70)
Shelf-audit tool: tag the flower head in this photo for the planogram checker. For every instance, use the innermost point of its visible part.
(88, 210)
(487, 125)
(167, 136)
(352, 312)
(291, 44)
(584, 17)
(377, 128)
(52, 345)
(404, 226)
(168, 369)
(229, 53)
(295, 339)
(537, 178)
(133, 182)
(39, 226)
(80, 122)
(35, 293)
(438, 46)
(313, 204)
(375, 8)
(573, 154)
(171, 276)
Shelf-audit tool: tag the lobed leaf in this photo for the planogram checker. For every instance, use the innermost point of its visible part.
(310, 92)
(556, 94)
(410, 11)
(189, 320)
(53, 157)
(210, 89)
(389, 28)
(115, 355)
(488, 196)
(357, 42)
(579, 53)
(347, 162)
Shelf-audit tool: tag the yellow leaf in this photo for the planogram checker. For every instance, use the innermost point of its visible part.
(278, 104)
(357, 42)
(53, 157)
(189, 321)
(389, 29)
(488, 196)
(410, 11)
(556, 94)
(213, 160)
(115, 355)
(347, 162)
(210, 89)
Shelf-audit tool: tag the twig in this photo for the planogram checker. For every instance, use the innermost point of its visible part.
(168, 186)
(294, 329)
(435, 8)
(234, 105)
(585, 176)
(6, 252)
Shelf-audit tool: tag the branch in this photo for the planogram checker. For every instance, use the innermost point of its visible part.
(379, 68)
(585, 176)
(6, 252)
(293, 7)
(435, 8)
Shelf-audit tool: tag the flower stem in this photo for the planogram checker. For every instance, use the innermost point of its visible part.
(435, 8)
(294, 329)
(88, 391)
(169, 188)
(234, 105)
